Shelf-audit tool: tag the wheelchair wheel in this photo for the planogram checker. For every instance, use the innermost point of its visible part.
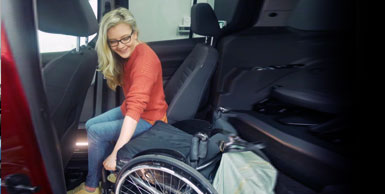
(160, 174)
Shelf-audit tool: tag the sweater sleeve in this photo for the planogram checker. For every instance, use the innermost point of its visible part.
(143, 77)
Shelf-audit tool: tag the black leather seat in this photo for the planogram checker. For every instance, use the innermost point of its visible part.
(186, 87)
(68, 77)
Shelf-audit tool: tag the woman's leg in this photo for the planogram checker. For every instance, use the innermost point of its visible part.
(101, 136)
(100, 144)
(141, 127)
(101, 131)
(111, 115)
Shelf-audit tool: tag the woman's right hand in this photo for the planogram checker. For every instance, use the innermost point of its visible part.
(110, 162)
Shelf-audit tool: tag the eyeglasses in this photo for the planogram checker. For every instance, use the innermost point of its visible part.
(124, 40)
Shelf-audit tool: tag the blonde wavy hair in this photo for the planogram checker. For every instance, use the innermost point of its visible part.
(111, 64)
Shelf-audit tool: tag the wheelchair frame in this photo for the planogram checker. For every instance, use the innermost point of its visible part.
(142, 169)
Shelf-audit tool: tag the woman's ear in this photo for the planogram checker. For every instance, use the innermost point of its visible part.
(135, 35)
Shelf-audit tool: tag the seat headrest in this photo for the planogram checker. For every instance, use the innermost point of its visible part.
(70, 17)
(204, 21)
(238, 14)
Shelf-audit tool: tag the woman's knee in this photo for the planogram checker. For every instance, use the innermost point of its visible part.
(93, 133)
(88, 124)
(111, 115)
(91, 122)
(105, 131)
(90, 130)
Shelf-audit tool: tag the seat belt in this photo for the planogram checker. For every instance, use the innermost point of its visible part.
(99, 94)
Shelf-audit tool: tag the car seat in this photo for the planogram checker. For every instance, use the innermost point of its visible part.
(186, 87)
(68, 77)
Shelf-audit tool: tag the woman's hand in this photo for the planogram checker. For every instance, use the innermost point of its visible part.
(128, 129)
(110, 162)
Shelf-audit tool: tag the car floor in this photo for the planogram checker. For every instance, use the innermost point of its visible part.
(287, 185)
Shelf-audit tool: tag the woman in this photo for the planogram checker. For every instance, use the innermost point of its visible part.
(127, 62)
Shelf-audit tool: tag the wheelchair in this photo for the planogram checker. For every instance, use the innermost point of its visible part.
(167, 159)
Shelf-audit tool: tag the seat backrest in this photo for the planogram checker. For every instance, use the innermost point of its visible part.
(186, 87)
(68, 77)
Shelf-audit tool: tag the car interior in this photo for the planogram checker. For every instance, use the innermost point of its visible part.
(278, 72)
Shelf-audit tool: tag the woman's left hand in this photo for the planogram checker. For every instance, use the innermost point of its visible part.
(110, 162)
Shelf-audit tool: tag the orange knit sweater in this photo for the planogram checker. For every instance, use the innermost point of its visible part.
(143, 86)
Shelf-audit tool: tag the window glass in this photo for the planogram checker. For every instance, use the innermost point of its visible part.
(49, 42)
(163, 19)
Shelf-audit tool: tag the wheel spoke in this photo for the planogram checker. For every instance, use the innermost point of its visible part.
(178, 185)
(142, 177)
(156, 181)
(188, 191)
(154, 176)
(163, 177)
(132, 181)
(170, 184)
(147, 188)
(127, 189)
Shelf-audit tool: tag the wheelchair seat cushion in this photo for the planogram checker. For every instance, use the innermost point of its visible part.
(159, 136)
(167, 137)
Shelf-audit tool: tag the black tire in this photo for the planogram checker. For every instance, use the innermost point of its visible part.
(160, 174)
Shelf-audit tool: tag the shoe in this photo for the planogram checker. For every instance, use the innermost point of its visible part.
(81, 189)
(111, 178)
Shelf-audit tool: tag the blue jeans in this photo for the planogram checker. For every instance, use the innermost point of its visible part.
(102, 132)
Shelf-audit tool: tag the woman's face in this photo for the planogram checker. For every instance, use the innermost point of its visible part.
(122, 39)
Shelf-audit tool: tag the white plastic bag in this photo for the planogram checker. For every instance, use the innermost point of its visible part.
(244, 172)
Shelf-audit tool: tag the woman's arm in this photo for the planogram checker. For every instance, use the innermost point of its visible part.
(138, 86)
(128, 129)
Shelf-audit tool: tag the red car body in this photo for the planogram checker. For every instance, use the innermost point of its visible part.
(20, 153)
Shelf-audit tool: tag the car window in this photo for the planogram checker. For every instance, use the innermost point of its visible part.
(49, 42)
(163, 20)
